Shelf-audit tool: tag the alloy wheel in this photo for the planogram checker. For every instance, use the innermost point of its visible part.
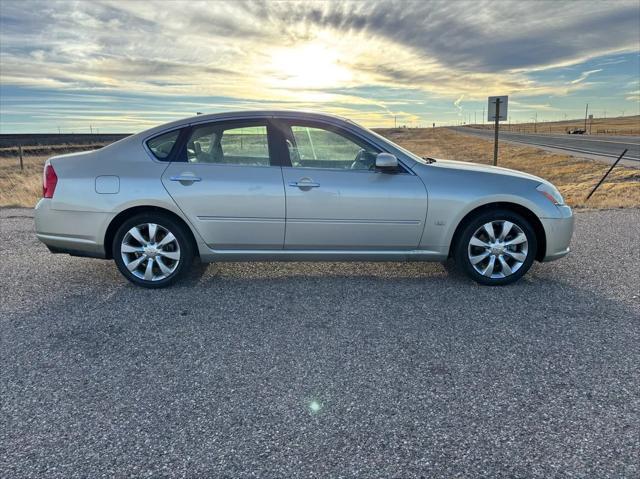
(150, 252)
(498, 249)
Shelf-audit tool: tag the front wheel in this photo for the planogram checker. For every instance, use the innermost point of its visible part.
(496, 247)
(152, 250)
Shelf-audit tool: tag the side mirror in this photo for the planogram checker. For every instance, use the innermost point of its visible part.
(386, 161)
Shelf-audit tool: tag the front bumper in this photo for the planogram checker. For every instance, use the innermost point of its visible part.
(558, 233)
(80, 233)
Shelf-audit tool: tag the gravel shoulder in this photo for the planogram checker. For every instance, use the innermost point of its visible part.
(413, 369)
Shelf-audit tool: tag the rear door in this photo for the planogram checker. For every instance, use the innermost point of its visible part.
(336, 199)
(228, 182)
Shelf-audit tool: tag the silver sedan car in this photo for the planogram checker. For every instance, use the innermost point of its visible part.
(294, 186)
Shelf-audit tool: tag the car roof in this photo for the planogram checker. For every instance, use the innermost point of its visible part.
(245, 114)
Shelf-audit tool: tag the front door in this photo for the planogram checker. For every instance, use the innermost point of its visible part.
(230, 185)
(337, 200)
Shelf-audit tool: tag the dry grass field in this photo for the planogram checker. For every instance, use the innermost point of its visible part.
(623, 125)
(572, 176)
(24, 188)
(21, 188)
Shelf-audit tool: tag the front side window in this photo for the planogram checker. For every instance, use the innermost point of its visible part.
(162, 145)
(229, 145)
(314, 147)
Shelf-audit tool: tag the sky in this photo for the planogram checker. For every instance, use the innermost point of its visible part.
(127, 65)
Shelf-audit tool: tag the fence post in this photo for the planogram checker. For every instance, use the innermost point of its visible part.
(21, 164)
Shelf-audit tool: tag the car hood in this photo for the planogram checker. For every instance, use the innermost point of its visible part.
(496, 170)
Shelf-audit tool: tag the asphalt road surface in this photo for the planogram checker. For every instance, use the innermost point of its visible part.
(605, 148)
(322, 370)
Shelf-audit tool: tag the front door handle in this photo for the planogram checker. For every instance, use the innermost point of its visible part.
(185, 178)
(304, 184)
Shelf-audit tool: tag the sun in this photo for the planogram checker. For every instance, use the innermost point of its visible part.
(308, 66)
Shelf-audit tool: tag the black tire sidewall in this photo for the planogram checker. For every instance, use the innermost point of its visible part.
(473, 224)
(186, 248)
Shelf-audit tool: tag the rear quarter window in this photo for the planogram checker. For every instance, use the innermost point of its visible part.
(162, 145)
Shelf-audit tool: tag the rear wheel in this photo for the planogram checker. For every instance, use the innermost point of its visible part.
(496, 247)
(152, 250)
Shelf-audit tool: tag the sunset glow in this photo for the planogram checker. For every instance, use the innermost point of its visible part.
(125, 65)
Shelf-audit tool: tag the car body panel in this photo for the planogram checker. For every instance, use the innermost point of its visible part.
(558, 232)
(81, 215)
(455, 192)
(353, 209)
(232, 207)
(243, 216)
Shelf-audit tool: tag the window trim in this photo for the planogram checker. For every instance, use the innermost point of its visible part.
(181, 154)
(284, 126)
(174, 149)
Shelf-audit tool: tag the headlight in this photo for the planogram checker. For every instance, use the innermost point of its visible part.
(551, 193)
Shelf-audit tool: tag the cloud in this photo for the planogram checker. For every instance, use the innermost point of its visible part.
(438, 37)
(475, 35)
(584, 75)
(458, 103)
(634, 96)
(309, 53)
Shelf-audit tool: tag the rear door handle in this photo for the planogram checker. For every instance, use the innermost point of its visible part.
(304, 184)
(185, 178)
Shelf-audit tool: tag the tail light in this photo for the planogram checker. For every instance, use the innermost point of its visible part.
(49, 181)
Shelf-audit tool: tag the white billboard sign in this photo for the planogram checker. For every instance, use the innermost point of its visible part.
(504, 102)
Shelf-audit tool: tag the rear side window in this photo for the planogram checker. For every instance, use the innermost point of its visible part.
(227, 144)
(162, 145)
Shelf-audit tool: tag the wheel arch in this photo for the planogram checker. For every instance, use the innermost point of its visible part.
(124, 215)
(536, 224)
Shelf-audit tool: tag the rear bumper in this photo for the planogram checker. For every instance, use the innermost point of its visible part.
(558, 233)
(79, 233)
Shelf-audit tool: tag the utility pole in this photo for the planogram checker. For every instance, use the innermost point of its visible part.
(395, 121)
(586, 111)
(482, 114)
(91, 129)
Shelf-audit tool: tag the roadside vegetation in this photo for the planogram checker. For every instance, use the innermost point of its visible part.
(574, 177)
(623, 125)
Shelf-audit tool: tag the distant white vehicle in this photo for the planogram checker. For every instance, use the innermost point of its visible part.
(292, 186)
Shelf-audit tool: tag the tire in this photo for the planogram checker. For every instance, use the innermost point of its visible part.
(153, 256)
(503, 260)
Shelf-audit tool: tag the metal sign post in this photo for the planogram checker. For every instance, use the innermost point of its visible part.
(495, 140)
(497, 112)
